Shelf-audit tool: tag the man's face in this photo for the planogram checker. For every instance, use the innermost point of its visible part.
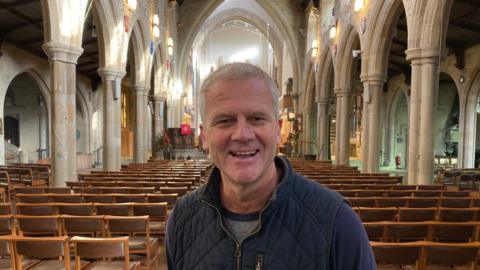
(241, 130)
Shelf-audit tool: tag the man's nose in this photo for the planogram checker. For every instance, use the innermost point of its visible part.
(243, 131)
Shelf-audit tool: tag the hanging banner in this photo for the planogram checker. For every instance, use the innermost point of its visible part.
(185, 129)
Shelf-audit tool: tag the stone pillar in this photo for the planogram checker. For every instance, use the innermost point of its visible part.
(43, 130)
(306, 133)
(342, 127)
(425, 64)
(112, 119)
(139, 151)
(372, 96)
(322, 129)
(159, 105)
(63, 60)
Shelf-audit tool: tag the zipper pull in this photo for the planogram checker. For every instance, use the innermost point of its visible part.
(259, 264)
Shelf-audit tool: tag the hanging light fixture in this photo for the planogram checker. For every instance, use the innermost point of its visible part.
(132, 4)
(358, 5)
(314, 48)
(333, 31)
(170, 46)
(155, 28)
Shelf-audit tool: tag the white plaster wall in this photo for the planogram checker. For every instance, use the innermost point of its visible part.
(231, 40)
(15, 61)
(287, 71)
(26, 109)
(446, 97)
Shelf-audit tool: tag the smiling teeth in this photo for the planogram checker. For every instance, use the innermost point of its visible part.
(249, 153)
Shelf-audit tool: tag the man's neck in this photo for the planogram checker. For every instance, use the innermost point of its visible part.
(249, 198)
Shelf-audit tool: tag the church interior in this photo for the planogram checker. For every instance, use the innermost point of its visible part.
(379, 101)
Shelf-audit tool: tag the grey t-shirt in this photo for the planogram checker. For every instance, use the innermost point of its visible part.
(240, 225)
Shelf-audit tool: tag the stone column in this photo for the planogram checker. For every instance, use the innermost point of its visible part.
(159, 105)
(372, 96)
(322, 129)
(306, 135)
(63, 59)
(43, 130)
(342, 127)
(112, 119)
(139, 152)
(425, 64)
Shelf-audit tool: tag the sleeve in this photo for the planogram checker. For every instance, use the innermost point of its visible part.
(350, 249)
(168, 241)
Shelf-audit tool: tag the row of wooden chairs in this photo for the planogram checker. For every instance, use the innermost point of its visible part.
(415, 202)
(170, 198)
(383, 187)
(137, 228)
(368, 214)
(423, 255)
(438, 231)
(403, 193)
(54, 253)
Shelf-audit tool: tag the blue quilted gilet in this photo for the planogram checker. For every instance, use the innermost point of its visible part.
(295, 232)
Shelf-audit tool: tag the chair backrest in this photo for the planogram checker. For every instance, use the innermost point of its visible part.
(113, 209)
(156, 211)
(452, 255)
(76, 209)
(457, 214)
(33, 198)
(117, 225)
(377, 214)
(389, 254)
(36, 209)
(5, 209)
(93, 226)
(39, 225)
(99, 248)
(417, 214)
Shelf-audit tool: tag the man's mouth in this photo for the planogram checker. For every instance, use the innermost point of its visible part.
(243, 154)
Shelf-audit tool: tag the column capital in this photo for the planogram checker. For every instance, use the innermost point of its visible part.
(340, 92)
(140, 89)
(372, 78)
(62, 52)
(110, 74)
(419, 55)
(322, 101)
(172, 3)
(159, 99)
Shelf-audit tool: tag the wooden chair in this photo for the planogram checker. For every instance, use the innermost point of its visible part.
(157, 213)
(457, 214)
(68, 198)
(368, 214)
(454, 232)
(101, 248)
(140, 240)
(389, 254)
(407, 231)
(47, 250)
(33, 198)
(123, 198)
(422, 202)
(455, 202)
(113, 209)
(92, 226)
(452, 255)
(99, 198)
(417, 214)
(391, 202)
(75, 209)
(39, 225)
(36, 209)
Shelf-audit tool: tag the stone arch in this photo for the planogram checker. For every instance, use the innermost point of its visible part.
(141, 59)
(468, 120)
(349, 39)
(385, 15)
(204, 13)
(392, 108)
(252, 19)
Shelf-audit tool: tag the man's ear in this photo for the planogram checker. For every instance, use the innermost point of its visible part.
(279, 130)
(204, 141)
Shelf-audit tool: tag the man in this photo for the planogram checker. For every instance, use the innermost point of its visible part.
(254, 212)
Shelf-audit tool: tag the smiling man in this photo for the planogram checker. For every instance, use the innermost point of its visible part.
(254, 212)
